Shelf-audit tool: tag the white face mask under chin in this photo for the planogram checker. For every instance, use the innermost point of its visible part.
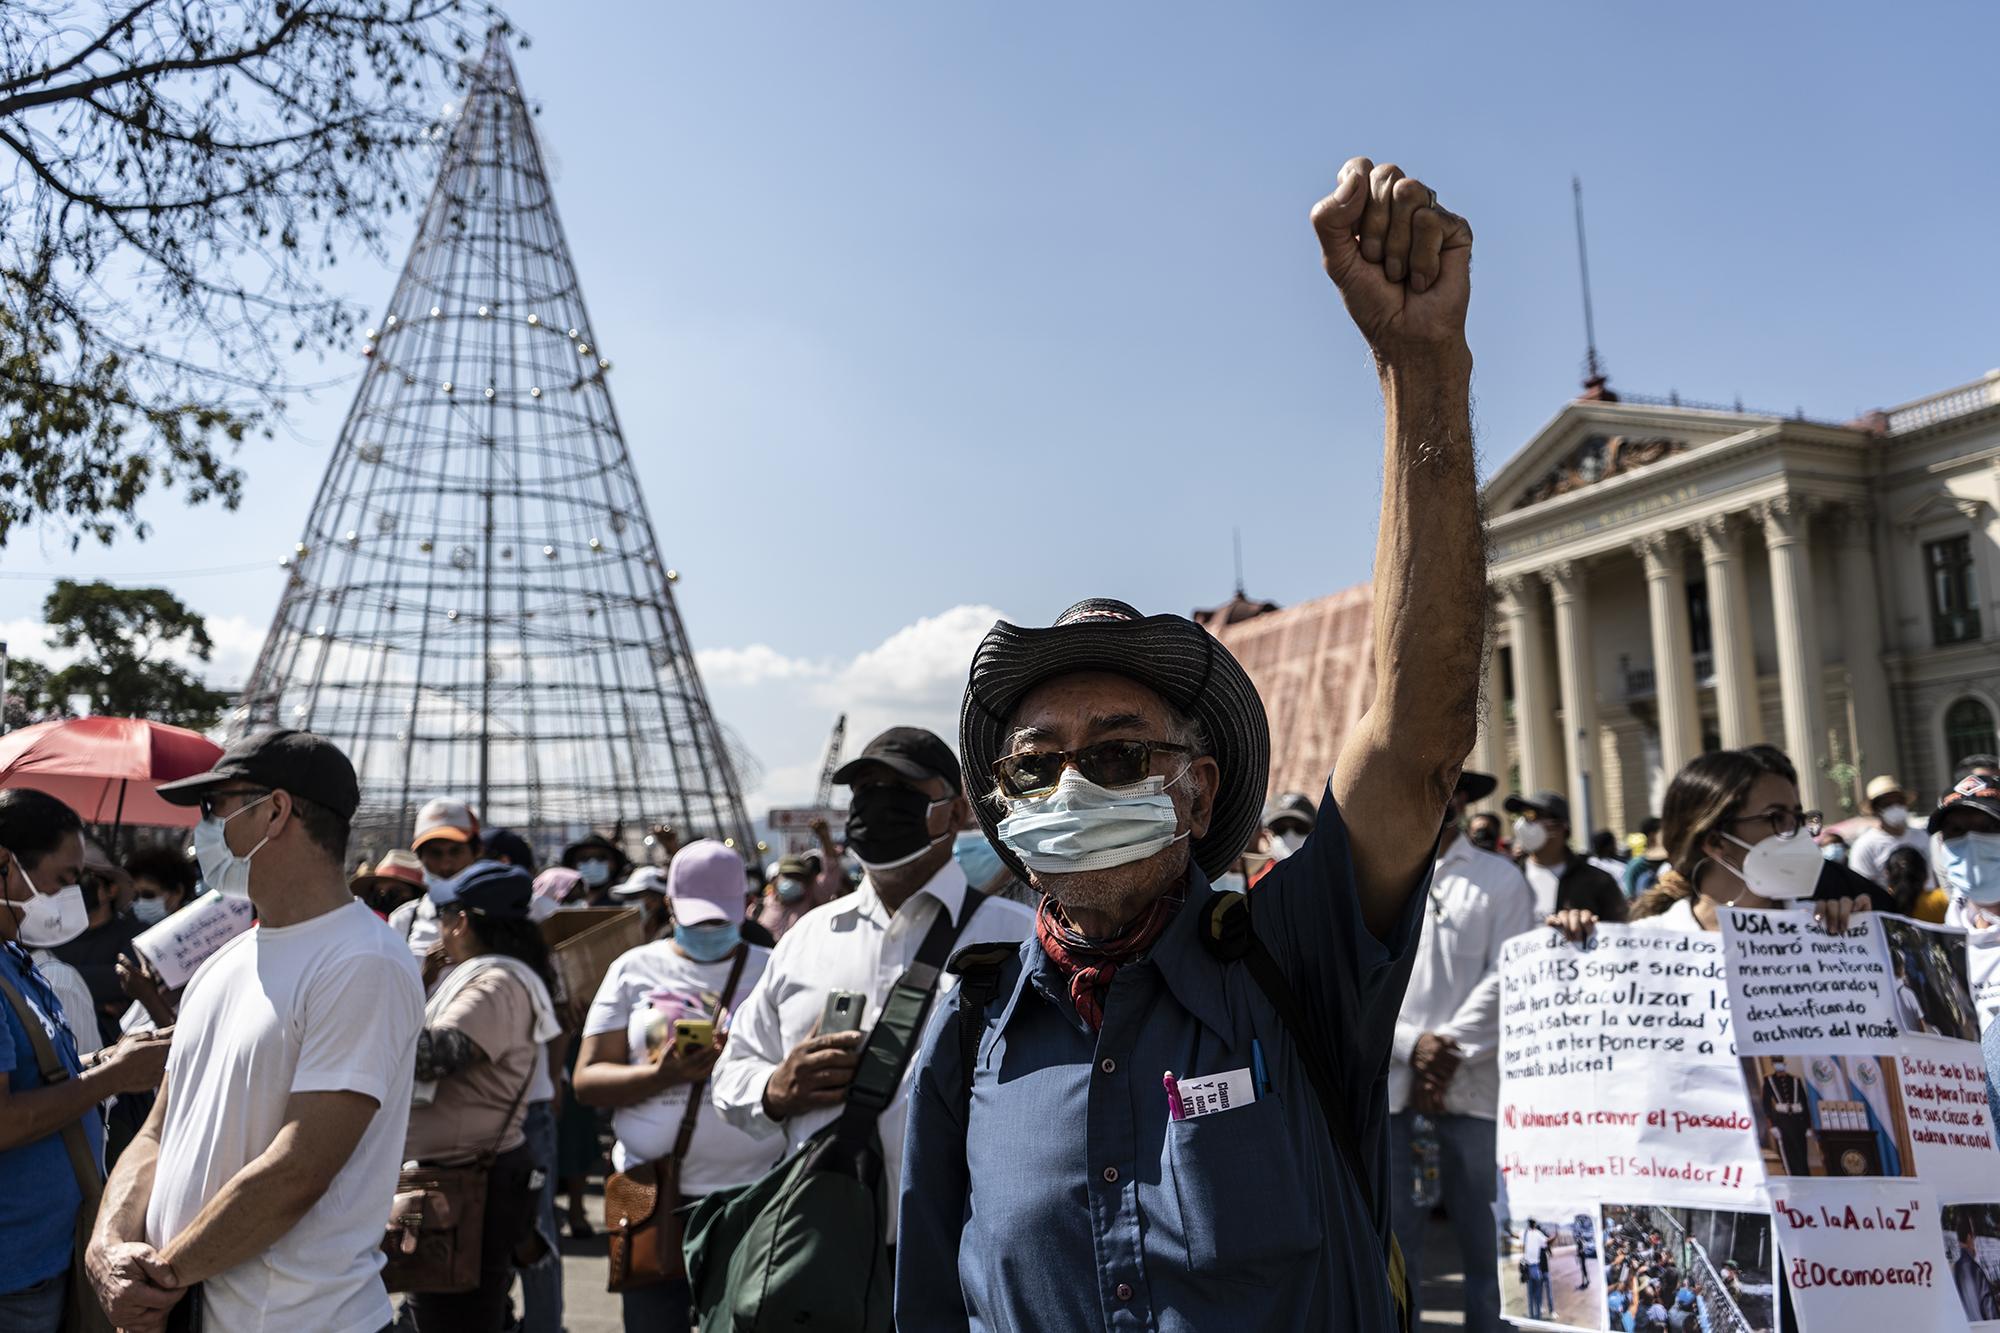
(1080, 827)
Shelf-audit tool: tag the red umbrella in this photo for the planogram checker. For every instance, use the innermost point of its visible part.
(105, 768)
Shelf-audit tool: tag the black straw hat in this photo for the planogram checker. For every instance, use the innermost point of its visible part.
(1170, 655)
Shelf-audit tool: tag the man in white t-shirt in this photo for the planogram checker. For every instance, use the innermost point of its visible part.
(1889, 803)
(266, 1169)
(779, 1078)
(629, 1061)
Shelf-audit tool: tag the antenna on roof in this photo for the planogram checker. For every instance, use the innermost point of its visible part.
(1594, 379)
(1236, 534)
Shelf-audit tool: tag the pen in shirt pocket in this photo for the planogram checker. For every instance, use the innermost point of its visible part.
(1175, 1109)
(1257, 1073)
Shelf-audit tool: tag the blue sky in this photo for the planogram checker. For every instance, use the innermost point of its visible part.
(922, 313)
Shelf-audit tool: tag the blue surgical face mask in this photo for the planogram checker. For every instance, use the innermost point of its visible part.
(1835, 852)
(790, 890)
(1969, 866)
(978, 858)
(709, 942)
(1081, 826)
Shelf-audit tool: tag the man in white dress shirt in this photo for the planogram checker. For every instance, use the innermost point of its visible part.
(1445, 1063)
(777, 1075)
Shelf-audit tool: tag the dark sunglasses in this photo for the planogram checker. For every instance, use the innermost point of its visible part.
(1107, 763)
(207, 803)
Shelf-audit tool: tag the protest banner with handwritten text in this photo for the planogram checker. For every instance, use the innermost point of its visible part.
(1616, 1071)
(1864, 1255)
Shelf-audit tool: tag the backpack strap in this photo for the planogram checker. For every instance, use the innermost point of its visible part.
(978, 968)
(1227, 935)
(886, 1055)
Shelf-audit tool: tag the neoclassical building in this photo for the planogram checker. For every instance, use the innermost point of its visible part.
(1670, 578)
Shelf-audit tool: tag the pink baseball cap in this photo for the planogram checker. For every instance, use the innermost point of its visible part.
(705, 882)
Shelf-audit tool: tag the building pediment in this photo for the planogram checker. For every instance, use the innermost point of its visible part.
(1941, 506)
(1591, 442)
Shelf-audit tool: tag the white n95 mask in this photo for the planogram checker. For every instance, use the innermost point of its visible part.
(1081, 826)
(1781, 868)
(50, 919)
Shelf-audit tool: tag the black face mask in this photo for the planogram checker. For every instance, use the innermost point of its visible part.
(887, 826)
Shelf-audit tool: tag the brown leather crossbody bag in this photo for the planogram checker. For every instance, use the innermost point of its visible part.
(433, 1236)
(645, 1237)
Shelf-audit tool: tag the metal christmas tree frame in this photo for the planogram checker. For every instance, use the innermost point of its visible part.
(478, 607)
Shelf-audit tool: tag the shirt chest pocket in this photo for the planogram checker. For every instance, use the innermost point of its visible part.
(1245, 1202)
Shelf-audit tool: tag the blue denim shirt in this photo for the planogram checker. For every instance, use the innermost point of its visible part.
(38, 1191)
(1063, 1197)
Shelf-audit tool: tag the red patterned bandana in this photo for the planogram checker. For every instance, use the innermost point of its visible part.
(1090, 964)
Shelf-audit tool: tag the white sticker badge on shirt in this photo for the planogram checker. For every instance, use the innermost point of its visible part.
(1216, 1092)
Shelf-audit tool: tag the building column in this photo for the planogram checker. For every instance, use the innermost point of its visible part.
(1577, 680)
(1673, 649)
(1785, 522)
(1861, 629)
(1520, 604)
(1489, 752)
(1730, 633)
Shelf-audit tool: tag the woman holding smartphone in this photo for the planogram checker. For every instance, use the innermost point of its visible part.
(652, 1035)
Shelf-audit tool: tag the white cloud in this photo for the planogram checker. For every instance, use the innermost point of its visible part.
(915, 677)
(235, 642)
(753, 665)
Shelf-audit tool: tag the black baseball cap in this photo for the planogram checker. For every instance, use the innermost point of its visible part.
(909, 752)
(1543, 804)
(310, 767)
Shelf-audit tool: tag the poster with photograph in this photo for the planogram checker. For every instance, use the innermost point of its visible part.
(1618, 1082)
(1551, 1272)
(1972, 1254)
(1830, 1115)
(1860, 1051)
(1716, 1269)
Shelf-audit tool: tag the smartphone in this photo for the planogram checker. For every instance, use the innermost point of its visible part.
(693, 1034)
(843, 1012)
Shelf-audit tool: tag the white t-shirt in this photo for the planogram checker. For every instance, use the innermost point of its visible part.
(1869, 857)
(1679, 917)
(332, 1004)
(79, 1010)
(1545, 881)
(417, 922)
(1533, 1243)
(720, 1156)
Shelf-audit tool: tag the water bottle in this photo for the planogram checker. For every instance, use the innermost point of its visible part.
(1425, 1187)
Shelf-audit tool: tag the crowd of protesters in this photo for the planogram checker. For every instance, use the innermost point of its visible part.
(957, 1009)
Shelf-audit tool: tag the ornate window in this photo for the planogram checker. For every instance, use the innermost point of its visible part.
(1954, 608)
(1968, 729)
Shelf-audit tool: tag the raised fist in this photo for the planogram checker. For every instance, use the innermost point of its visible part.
(1403, 263)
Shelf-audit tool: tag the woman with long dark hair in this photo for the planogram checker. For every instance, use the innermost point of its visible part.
(485, 1025)
(1735, 836)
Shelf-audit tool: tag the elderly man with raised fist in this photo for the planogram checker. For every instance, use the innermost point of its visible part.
(1053, 1178)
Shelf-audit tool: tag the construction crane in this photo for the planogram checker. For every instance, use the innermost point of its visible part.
(832, 765)
(801, 840)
